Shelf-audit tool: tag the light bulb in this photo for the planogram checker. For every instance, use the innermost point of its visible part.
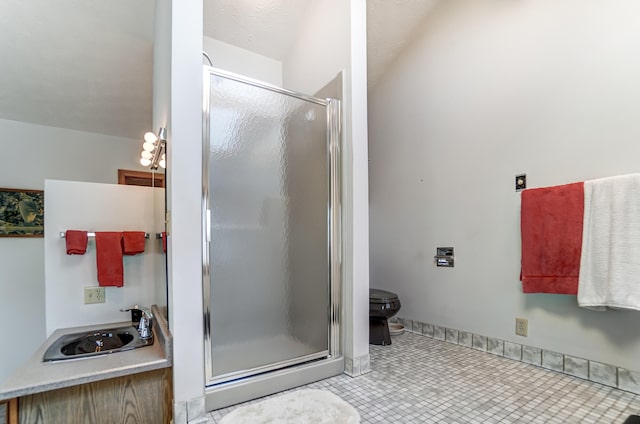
(145, 162)
(148, 146)
(150, 137)
(162, 163)
(146, 155)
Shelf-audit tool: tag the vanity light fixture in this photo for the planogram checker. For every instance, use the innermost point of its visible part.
(153, 149)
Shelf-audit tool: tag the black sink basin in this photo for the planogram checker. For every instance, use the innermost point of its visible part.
(92, 343)
(97, 342)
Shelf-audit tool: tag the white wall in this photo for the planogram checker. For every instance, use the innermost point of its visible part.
(321, 49)
(71, 205)
(244, 62)
(184, 204)
(332, 39)
(31, 153)
(162, 65)
(358, 195)
(489, 90)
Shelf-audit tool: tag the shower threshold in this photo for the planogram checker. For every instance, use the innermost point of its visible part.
(244, 359)
(267, 383)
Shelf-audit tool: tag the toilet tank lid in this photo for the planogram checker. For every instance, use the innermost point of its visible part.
(377, 295)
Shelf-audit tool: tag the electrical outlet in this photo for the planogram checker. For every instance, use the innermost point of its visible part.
(522, 327)
(94, 295)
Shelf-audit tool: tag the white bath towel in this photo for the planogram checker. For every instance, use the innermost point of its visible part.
(610, 258)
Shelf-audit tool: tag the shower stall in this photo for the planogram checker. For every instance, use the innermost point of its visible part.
(271, 243)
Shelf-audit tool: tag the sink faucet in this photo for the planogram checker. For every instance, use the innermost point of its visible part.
(143, 318)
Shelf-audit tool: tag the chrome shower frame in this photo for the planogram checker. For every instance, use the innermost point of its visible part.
(269, 379)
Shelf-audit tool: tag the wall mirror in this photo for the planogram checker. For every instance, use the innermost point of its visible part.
(75, 101)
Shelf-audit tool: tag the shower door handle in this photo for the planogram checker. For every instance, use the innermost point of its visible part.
(208, 225)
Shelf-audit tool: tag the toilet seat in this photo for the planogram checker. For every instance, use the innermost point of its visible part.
(381, 296)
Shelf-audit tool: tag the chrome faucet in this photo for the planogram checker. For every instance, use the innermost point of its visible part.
(143, 318)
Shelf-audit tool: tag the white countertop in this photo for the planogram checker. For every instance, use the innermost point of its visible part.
(36, 376)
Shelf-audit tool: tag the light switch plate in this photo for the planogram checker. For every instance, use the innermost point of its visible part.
(94, 295)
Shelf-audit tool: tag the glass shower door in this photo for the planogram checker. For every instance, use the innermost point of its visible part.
(267, 242)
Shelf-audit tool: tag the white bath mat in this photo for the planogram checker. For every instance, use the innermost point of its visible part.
(307, 406)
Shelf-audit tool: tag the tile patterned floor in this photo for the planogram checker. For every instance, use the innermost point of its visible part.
(418, 379)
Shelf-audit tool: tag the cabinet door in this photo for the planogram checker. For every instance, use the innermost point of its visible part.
(9, 411)
(137, 398)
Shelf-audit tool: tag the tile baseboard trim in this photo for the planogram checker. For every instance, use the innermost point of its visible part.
(195, 409)
(597, 372)
(179, 412)
(355, 367)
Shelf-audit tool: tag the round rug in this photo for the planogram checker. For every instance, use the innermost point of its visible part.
(306, 406)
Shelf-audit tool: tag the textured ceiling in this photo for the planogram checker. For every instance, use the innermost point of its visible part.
(266, 27)
(87, 64)
(269, 27)
(78, 64)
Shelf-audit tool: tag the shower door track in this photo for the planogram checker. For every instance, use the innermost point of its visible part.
(225, 378)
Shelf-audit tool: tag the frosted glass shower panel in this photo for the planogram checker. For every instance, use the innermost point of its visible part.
(268, 179)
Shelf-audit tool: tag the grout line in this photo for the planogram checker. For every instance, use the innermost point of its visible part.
(632, 386)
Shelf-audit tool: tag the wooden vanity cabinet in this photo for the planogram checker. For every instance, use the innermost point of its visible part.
(9, 410)
(133, 399)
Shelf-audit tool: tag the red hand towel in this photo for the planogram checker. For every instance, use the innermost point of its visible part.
(133, 242)
(76, 242)
(551, 227)
(164, 241)
(109, 256)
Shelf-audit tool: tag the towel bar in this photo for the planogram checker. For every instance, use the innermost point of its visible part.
(63, 235)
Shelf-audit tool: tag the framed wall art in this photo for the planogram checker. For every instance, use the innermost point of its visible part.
(21, 213)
